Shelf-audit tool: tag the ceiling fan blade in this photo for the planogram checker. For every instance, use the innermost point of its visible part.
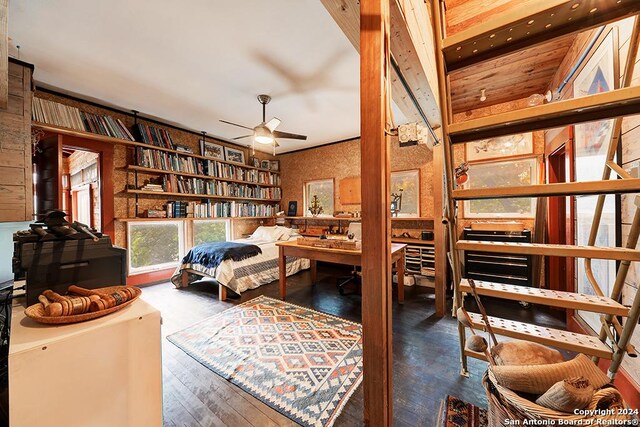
(235, 124)
(241, 137)
(278, 134)
(273, 124)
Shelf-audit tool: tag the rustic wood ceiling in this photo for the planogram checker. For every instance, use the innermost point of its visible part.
(510, 77)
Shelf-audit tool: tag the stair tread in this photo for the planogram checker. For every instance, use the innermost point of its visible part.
(587, 344)
(556, 189)
(528, 25)
(548, 297)
(604, 105)
(594, 252)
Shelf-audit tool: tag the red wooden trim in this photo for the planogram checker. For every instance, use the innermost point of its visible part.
(151, 277)
(629, 389)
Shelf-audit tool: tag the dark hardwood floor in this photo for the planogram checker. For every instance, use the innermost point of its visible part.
(425, 350)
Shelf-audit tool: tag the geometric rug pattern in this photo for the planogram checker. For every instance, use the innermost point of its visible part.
(458, 413)
(302, 363)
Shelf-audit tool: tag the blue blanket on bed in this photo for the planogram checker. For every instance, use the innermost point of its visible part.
(211, 255)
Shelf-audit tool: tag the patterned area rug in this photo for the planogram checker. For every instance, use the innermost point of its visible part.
(302, 363)
(457, 413)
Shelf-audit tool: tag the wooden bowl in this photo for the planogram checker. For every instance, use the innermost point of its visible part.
(36, 311)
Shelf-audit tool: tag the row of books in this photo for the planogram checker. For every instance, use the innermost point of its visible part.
(54, 113)
(178, 184)
(155, 159)
(209, 209)
(154, 136)
(225, 170)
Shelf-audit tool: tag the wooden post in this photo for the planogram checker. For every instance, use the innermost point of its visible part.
(376, 221)
(439, 232)
(4, 54)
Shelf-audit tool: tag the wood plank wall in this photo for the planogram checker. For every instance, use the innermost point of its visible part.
(15, 147)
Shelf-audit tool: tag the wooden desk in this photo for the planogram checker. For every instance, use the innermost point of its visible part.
(338, 256)
(100, 373)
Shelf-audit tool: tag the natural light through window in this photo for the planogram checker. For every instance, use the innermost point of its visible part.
(324, 190)
(154, 245)
(509, 173)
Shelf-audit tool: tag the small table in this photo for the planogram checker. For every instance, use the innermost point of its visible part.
(338, 256)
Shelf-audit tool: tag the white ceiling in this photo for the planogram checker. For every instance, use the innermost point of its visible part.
(193, 65)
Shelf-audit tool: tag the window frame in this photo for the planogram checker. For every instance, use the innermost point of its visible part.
(537, 163)
(133, 271)
(305, 197)
(228, 228)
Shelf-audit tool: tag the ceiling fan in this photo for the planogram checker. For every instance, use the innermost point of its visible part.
(266, 133)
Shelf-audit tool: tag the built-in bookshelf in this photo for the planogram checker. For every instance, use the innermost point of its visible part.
(217, 188)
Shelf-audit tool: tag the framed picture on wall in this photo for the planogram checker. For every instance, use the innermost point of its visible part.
(599, 74)
(274, 165)
(503, 146)
(265, 164)
(233, 155)
(407, 184)
(209, 149)
(292, 209)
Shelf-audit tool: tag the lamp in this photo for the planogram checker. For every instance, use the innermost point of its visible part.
(262, 135)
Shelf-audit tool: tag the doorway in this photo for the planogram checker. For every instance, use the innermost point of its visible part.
(557, 214)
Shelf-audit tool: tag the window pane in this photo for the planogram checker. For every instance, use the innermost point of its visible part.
(209, 231)
(502, 174)
(153, 244)
(409, 183)
(324, 190)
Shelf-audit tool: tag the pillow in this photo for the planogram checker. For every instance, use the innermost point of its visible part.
(537, 379)
(270, 234)
(286, 232)
(524, 353)
(567, 395)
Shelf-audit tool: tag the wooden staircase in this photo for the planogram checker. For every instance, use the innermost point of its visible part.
(509, 32)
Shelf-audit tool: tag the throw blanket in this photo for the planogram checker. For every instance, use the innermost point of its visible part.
(212, 254)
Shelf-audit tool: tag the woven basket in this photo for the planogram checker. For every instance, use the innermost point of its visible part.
(36, 311)
(505, 404)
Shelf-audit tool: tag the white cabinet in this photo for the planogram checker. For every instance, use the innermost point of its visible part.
(104, 372)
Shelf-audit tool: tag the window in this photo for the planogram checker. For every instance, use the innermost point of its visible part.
(210, 231)
(324, 190)
(407, 183)
(154, 245)
(509, 173)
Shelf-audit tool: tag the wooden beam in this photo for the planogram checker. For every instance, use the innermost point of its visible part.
(412, 47)
(4, 54)
(614, 186)
(605, 105)
(376, 221)
(439, 231)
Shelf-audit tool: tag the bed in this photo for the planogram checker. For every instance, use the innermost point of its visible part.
(249, 273)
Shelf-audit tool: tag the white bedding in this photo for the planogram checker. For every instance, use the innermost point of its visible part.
(250, 273)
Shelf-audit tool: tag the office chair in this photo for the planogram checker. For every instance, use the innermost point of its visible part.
(355, 228)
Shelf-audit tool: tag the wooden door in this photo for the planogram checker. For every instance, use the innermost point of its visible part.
(556, 272)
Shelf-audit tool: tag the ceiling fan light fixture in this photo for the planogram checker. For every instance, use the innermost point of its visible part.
(262, 135)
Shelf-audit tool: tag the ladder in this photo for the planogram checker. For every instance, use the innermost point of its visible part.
(507, 33)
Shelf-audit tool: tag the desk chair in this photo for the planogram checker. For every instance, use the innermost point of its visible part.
(355, 228)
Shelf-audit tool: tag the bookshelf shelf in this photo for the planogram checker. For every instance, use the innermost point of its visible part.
(332, 218)
(233, 218)
(156, 171)
(196, 196)
(97, 137)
